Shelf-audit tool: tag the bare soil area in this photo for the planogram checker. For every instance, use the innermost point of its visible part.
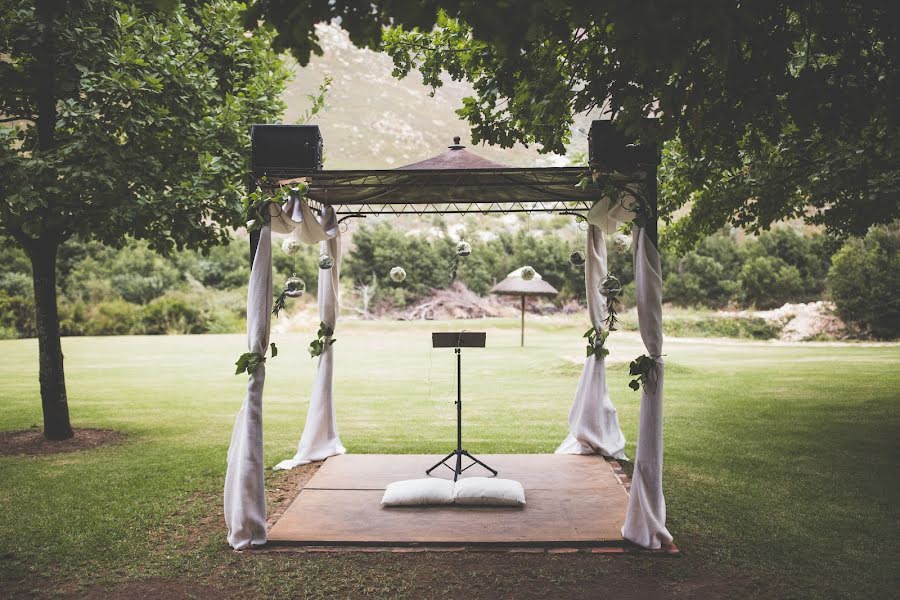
(31, 442)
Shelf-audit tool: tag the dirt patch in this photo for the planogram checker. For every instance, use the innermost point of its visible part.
(283, 486)
(32, 442)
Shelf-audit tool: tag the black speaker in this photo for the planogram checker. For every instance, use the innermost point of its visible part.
(608, 147)
(285, 148)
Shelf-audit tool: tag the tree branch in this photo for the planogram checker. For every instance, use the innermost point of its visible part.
(10, 119)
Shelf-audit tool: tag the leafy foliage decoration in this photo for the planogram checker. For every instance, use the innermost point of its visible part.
(249, 361)
(323, 340)
(641, 369)
(596, 345)
(256, 203)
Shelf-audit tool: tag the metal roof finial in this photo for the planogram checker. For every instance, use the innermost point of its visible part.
(456, 145)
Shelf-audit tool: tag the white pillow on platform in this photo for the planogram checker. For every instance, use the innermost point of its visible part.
(489, 491)
(417, 492)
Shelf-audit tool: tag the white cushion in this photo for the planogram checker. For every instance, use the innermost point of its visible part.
(489, 491)
(413, 492)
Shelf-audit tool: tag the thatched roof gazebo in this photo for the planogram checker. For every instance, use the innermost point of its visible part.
(516, 285)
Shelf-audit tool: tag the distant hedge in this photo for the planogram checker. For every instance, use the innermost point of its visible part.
(108, 291)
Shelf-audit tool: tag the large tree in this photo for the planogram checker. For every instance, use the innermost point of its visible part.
(772, 109)
(123, 121)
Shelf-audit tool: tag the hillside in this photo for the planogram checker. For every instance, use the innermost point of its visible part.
(376, 121)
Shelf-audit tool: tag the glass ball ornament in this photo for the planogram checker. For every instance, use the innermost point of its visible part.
(398, 274)
(294, 287)
(527, 273)
(291, 246)
(577, 258)
(463, 249)
(325, 261)
(611, 287)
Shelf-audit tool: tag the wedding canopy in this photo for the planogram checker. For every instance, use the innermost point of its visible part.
(459, 182)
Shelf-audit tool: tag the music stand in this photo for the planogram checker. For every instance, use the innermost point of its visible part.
(457, 340)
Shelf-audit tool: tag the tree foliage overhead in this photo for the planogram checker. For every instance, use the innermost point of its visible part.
(773, 110)
(147, 125)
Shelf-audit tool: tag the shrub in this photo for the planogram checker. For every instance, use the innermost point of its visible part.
(699, 281)
(173, 314)
(222, 267)
(865, 281)
(134, 273)
(17, 314)
(767, 282)
(116, 317)
(16, 284)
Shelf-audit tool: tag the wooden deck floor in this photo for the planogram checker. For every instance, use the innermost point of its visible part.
(570, 500)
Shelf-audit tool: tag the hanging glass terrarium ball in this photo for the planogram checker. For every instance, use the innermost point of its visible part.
(294, 287)
(611, 287)
(577, 258)
(527, 273)
(325, 261)
(463, 249)
(291, 246)
(398, 274)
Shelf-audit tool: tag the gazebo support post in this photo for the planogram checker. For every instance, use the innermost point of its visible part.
(522, 342)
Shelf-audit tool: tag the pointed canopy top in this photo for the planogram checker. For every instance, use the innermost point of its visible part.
(456, 157)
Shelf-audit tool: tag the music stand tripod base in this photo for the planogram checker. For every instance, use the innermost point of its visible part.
(457, 340)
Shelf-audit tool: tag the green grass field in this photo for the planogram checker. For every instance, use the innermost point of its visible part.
(781, 464)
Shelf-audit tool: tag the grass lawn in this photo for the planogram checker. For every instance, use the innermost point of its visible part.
(781, 464)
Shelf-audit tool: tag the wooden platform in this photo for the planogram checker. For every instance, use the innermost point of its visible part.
(570, 500)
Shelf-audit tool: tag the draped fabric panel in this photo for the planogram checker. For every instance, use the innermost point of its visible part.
(320, 436)
(645, 519)
(593, 422)
(245, 494)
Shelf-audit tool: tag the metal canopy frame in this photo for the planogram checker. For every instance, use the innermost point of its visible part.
(442, 191)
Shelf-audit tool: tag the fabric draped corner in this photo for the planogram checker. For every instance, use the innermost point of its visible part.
(593, 422)
(245, 493)
(295, 216)
(645, 518)
(320, 439)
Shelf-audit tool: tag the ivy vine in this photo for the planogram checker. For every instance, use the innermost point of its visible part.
(323, 340)
(641, 368)
(249, 361)
(596, 345)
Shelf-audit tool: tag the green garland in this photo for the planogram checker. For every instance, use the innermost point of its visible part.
(596, 345)
(249, 361)
(323, 340)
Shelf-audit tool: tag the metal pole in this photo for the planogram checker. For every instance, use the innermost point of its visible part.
(458, 402)
(523, 322)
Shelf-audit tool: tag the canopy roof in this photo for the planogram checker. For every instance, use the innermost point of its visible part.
(454, 182)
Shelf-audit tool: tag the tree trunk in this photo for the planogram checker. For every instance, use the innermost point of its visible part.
(52, 378)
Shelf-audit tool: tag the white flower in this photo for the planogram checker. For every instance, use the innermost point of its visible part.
(622, 242)
(291, 246)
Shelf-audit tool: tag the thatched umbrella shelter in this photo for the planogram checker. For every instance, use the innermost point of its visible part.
(516, 285)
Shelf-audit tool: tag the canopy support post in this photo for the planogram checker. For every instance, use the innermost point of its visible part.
(522, 344)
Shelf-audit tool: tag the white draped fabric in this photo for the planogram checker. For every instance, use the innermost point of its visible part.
(296, 216)
(593, 422)
(245, 493)
(320, 436)
(645, 519)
